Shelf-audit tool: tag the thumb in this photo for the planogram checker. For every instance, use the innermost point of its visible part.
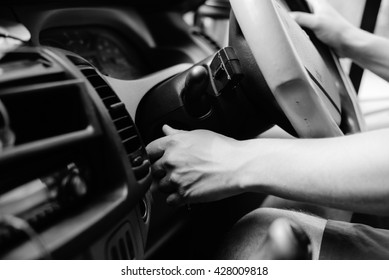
(170, 131)
(304, 19)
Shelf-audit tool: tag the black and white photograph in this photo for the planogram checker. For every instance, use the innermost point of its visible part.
(194, 130)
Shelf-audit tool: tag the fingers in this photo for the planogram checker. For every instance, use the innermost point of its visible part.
(156, 149)
(168, 130)
(309, 20)
(314, 5)
(158, 169)
(304, 19)
(161, 172)
(175, 199)
(167, 184)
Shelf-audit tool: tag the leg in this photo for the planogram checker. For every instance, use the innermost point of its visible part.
(248, 235)
(324, 212)
(350, 241)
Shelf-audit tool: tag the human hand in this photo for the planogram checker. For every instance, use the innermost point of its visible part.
(195, 166)
(327, 24)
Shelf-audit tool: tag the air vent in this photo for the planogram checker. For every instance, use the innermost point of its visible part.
(37, 218)
(120, 246)
(28, 67)
(122, 122)
(37, 92)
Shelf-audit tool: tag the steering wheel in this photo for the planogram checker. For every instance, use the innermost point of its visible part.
(290, 79)
(290, 69)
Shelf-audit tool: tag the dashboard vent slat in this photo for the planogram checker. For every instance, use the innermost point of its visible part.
(126, 133)
(123, 251)
(123, 123)
(117, 111)
(104, 92)
(114, 254)
(111, 100)
(120, 246)
(131, 144)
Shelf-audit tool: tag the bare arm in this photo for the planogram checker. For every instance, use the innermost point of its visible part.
(367, 50)
(350, 172)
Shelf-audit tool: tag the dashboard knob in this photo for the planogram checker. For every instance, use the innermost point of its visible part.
(73, 188)
(77, 186)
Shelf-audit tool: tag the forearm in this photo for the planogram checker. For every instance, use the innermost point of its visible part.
(367, 50)
(349, 173)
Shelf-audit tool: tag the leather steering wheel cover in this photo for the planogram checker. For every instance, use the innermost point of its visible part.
(281, 66)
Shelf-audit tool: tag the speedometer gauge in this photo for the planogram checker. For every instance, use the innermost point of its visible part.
(101, 47)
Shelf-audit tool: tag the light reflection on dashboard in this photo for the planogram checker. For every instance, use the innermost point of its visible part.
(102, 47)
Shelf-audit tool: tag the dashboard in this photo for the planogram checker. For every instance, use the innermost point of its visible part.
(103, 47)
(76, 181)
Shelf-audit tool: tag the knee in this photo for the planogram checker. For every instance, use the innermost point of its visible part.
(264, 216)
(249, 233)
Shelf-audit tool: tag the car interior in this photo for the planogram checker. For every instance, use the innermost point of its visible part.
(86, 85)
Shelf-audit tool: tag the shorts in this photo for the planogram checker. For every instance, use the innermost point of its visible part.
(352, 241)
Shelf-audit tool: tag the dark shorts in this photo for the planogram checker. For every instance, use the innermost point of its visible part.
(352, 241)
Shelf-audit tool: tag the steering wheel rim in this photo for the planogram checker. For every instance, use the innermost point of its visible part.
(296, 74)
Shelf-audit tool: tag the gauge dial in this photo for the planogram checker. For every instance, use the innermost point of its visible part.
(102, 47)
